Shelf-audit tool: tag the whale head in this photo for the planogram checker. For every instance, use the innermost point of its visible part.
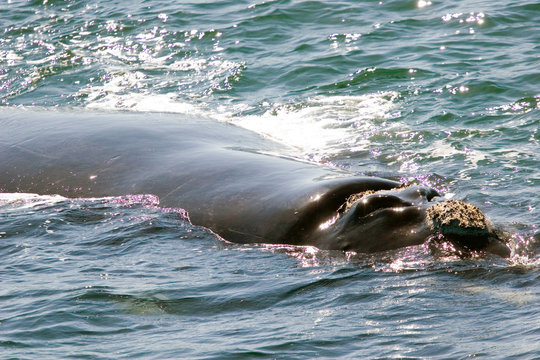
(384, 220)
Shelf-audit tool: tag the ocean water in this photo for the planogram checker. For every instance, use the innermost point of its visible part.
(439, 93)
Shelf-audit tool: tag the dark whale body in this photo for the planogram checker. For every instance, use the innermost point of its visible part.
(229, 180)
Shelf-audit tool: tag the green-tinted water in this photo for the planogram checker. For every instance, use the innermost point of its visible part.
(440, 93)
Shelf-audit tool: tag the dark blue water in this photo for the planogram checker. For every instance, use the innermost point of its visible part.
(439, 93)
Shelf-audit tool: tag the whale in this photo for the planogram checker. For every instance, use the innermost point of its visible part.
(246, 188)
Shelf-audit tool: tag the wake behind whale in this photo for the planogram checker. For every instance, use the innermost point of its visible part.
(230, 180)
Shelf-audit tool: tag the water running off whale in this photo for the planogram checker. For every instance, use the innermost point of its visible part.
(229, 180)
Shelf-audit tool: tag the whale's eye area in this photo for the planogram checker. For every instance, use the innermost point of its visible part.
(371, 203)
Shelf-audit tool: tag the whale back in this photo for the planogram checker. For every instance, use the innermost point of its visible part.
(244, 187)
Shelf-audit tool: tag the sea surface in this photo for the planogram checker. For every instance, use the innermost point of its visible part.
(441, 93)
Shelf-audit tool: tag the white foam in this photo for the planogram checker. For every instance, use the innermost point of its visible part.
(28, 200)
(134, 90)
(10, 57)
(318, 126)
(443, 149)
(144, 103)
(325, 124)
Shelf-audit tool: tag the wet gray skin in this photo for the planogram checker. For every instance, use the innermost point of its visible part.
(229, 180)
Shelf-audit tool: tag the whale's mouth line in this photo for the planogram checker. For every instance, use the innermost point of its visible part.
(370, 202)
